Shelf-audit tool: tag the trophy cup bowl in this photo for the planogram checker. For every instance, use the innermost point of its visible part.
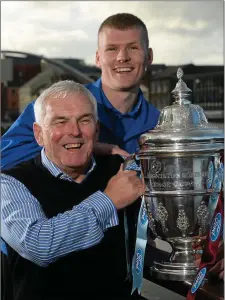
(180, 161)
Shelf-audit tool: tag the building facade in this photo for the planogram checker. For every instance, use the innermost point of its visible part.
(206, 83)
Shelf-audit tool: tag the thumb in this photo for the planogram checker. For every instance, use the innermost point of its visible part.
(121, 168)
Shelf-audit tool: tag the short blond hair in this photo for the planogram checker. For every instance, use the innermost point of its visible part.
(123, 21)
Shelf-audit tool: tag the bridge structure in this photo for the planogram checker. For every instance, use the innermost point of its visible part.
(63, 66)
(54, 70)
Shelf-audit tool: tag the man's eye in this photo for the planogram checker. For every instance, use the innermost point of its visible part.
(60, 122)
(85, 121)
(111, 49)
(133, 47)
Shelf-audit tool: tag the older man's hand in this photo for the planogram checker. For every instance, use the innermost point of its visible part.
(107, 149)
(124, 188)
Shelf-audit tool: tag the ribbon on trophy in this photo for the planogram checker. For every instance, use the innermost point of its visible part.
(139, 254)
(215, 234)
(133, 163)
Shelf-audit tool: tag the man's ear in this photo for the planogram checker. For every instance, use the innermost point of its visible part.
(97, 59)
(150, 56)
(38, 134)
(97, 130)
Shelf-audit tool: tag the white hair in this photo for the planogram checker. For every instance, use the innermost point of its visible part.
(61, 90)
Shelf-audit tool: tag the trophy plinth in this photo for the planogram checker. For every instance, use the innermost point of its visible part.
(180, 160)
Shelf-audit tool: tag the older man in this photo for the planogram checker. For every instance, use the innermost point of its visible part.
(62, 211)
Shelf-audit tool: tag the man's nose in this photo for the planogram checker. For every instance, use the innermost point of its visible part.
(74, 129)
(123, 55)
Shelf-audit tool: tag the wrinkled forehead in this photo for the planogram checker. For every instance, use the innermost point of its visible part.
(72, 104)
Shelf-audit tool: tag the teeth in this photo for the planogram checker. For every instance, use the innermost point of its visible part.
(123, 70)
(69, 146)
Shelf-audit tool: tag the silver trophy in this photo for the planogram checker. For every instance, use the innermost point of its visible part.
(180, 161)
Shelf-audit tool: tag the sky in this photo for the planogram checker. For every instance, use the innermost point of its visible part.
(180, 32)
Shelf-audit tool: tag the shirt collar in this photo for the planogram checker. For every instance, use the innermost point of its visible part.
(108, 104)
(56, 172)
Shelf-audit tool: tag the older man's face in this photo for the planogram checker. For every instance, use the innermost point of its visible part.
(68, 132)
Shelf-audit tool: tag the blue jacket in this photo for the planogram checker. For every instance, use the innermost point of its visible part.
(124, 130)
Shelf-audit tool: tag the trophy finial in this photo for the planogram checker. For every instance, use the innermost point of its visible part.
(180, 73)
(181, 91)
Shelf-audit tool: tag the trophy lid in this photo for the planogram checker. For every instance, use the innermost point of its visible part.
(182, 126)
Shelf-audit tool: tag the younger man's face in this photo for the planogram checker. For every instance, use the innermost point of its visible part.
(123, 57)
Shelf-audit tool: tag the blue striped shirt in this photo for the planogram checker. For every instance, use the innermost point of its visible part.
(27, 230)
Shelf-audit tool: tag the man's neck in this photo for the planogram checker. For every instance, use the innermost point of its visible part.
(78, 178)
(123, 101)
(77, 174)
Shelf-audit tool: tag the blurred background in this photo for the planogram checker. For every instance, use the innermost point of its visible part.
(47, 41)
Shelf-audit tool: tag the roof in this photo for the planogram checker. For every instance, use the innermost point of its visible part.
(190, 70)
(81, 76)
(168, 72)
(80, 65)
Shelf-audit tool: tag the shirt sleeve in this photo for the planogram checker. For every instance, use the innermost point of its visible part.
(18, 143)
(28, 231)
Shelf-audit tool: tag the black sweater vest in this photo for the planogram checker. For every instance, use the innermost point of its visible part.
(95, 273)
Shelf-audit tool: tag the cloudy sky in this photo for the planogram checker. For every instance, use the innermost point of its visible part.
(180, 32)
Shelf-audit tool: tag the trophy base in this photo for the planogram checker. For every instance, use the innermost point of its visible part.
(173, 271)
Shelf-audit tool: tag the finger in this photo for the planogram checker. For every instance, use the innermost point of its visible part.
(218, 267)
(144, 188)
(142, 140)
(138, 182)
(131, 173)
(221, 243)
(197, 261)
(221, 275)
(220, 252)
(121, 168)
(141, 191)
(117, 150)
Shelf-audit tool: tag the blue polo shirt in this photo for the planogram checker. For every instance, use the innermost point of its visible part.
(18, 143)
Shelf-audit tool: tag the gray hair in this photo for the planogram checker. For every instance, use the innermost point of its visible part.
(61, 89)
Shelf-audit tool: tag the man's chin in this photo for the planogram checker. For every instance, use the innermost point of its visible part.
(125, 87)
(77, 164)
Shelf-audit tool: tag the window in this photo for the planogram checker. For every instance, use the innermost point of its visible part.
(158, 87)
(165, 86)
(152, 87)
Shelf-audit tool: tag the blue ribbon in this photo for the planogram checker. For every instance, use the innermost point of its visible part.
(139, 255)
(130, 164)
(141, 238)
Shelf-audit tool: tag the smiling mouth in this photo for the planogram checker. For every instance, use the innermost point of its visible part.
(123, 70)
(73, 146)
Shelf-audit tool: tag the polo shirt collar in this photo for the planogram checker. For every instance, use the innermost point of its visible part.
(142, 113)
(57, 172)
(110, 107)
